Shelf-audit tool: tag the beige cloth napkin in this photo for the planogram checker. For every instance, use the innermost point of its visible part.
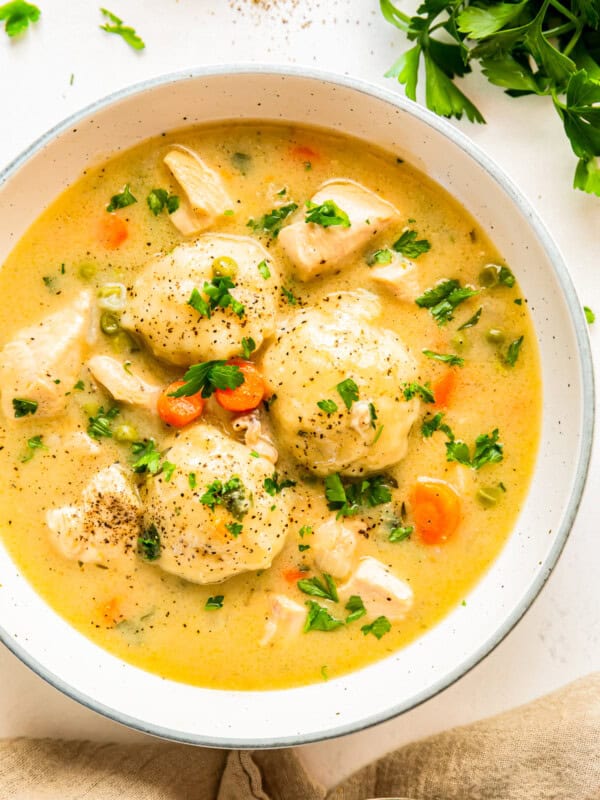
(547, 750)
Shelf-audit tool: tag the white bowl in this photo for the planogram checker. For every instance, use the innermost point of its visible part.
(76, 666)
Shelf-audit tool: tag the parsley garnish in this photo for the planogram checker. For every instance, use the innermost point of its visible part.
(319, 619)
(326, 214)
(231, 495)
(159, 199)
(348, 499)
(126, 33)
(446, 358)
(192, 482)
(214, 603)
(264, 270)
(505, 277)
(18, 15)
(305, 530)
(289, 296)
(79, 386)
(274, 486)
(248, 346)
(356, 607)
(209, 376)
(148, 457)
(303, 547)
(273, 220)
(24, 407)
(432, 424)
(487, 451)
(218, 295)
(33, 444)
(328, 406)
(424, 392)
(512, 354)
(589, 315)
(379, 627)
(149, 544)
(409, 246)
(348, 391)
(400, 533)
(372, 415)
(100, 425)
(471, 321)
(167, 470)
(317, 588)
(234, 528)
(380, 257)
(443, 298)
(121, 200)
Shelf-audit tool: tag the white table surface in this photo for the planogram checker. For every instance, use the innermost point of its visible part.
(559, 639)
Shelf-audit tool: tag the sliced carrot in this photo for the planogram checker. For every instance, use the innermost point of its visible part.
(112, 231)
(293, 575)
(443, 389)
(111, 612)
(179, 411)
(303, 153)
(249, 394)
(435, 509)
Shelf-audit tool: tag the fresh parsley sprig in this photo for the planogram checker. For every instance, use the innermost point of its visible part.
(17, 16)
(208, 376)
(115, 25)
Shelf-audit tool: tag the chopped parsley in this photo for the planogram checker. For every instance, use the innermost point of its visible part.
(512, 354)
(303, 547)
(472, 320)
(33, 444)
(121, 200)
(167, 470)
(148, 457)
(317, 588)
(348, 391)
(291, 300)
(379, 627)
(159, 199)
(319, 619)
(248, 346)
(505, 277)
(100, 425)
(443, 298)
(589, 315)
(400, 533)
(24, 407)
(18, 15)
(231, 495)
(487, 451)
(305, 530)
(447, 358)
(326, 214)
(424, 392)
(192, 481)
(79, 386)
(372, 415)
(274, 486)
(328, 406)
(234, 528)
(208, 376)
(273, 220)
(218, 295)
(348, 499)
(356, 607)
(264, 270)
(149, 544)
(383, 256)
(214, 603)
(432, 424)
(409, 246)
(115, 25)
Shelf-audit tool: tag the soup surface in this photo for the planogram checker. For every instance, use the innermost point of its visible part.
(369, 422)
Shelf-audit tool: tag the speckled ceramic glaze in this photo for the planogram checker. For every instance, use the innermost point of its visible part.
(92, 676)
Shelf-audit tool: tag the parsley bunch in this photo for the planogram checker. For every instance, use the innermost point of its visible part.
(543, 47)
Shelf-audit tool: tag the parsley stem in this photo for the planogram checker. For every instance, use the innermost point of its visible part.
(565, 28)
(573, 41)
(564, 11)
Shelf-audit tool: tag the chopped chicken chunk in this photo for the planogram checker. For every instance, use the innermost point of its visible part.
(205, 195)
(333, 546)
(255, 437)
(105, 525)
(123, 386)
(286, 619)
(381, 591)
(42, 362)
(400, 277)
(317, 250)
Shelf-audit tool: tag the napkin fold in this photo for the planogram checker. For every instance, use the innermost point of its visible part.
(546, 750)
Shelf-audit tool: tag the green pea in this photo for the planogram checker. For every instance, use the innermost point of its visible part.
(495, 336)
(489, 276)
(125, 433)
(489, 496)
(87, 271)
(109, 324)
(224, 267)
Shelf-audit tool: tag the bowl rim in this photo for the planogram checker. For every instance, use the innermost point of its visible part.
(584, 354)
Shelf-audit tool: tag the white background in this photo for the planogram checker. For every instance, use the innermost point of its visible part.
(559, 639)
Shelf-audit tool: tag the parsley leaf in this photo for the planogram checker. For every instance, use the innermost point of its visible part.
(424, 392)
(380, 257)
(432, 424)
(100, 425)
(264, 270)
(317, 588)
(290, 299)
(447, 358)
(348, 391)
(319, 619)
(348, 499)
(356, 607)
(149, 544)
(400, 533)
(512, 354)
(234, 528)
(24, 407)
(379, 627)
(248, 346)
(208, 376)
(409, 246)
(148, 457)
(121, 200)
(272, 221)
(231, 495)
(159, 199)
(167, 470)
(274, 486)
(487, 451)
(471, 321)
(115, 25)
(328, 406)
(589, 315)
(443, 298)
(18, 15)
(326, 214)
(218, 295)
(214, 603)
(33, 444)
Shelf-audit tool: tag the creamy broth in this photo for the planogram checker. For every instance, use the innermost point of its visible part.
(159, 621)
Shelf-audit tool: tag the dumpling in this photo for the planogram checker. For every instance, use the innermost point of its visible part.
(159, 311)
(321, 348)
(316, 250)
(239, 527)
